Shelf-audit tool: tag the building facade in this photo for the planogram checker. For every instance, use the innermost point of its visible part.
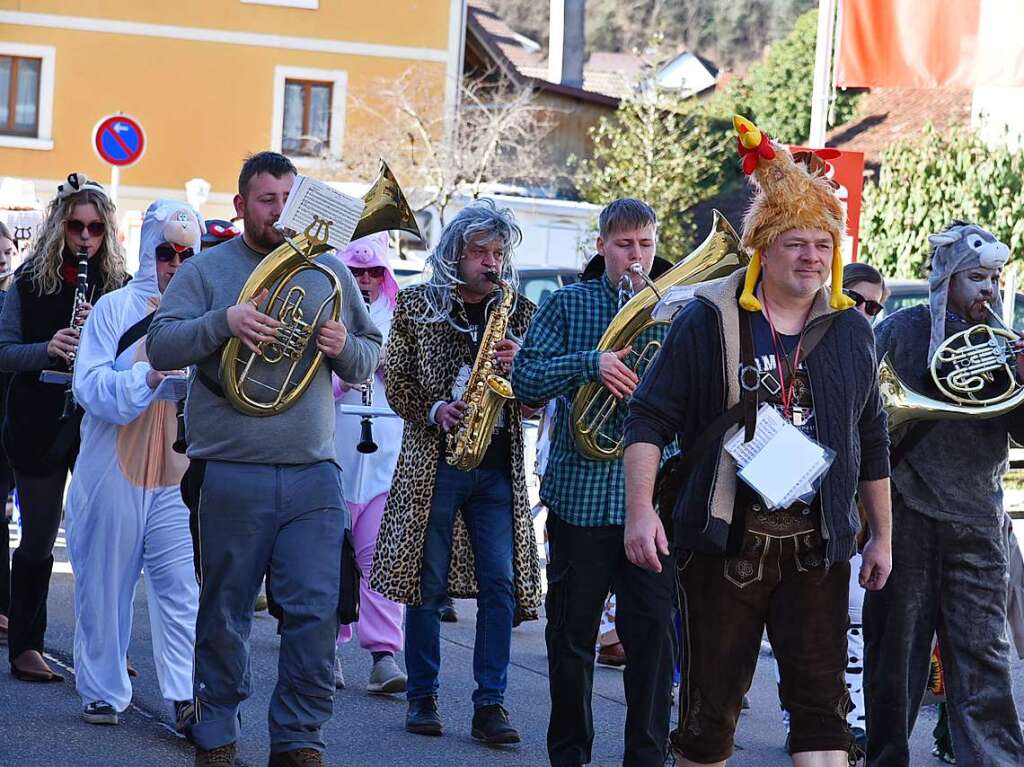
(210, 81)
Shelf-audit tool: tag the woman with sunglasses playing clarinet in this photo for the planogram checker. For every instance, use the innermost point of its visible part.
(38, 336)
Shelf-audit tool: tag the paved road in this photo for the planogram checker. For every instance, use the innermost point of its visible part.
(41, 724)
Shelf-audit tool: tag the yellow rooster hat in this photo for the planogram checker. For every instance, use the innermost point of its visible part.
(788, 197)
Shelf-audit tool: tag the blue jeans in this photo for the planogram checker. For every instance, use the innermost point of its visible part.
(485, 498)
(291, 519)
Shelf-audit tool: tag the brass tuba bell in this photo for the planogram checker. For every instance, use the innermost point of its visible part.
(271, 380)
(976, 369)
(596, 412)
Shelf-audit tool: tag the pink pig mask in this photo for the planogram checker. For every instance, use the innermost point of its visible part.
(367, 252)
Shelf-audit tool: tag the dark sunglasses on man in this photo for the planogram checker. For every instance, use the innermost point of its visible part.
(96, 228)
(377, 272)
(871, 308)
(165, 253)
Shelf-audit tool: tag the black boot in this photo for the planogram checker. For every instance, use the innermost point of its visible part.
(30, 585)
(491, 725)
(423, 718)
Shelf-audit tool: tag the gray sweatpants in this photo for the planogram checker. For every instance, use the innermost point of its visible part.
(291, 519)
(948, 577)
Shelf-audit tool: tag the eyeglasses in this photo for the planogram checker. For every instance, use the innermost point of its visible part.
(165, 252)
(871, 308)
(377, 272)
(96, 228)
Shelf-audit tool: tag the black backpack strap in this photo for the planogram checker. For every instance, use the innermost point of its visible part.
(134, 333)
(209, 383)
(915, 434)
(813, 336)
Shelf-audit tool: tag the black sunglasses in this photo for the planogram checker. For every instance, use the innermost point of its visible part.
(871, 308)
(377, 272)
(96, 228)
(165, 252)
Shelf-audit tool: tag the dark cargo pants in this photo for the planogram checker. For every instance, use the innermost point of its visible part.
(948, 577)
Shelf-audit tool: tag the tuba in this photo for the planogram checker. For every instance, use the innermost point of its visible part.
(597, 430)
(486, 391)
(975, 369)
(270, 380)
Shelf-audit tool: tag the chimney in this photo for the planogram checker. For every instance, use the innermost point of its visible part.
(565, 46)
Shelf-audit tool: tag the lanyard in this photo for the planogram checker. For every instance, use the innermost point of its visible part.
(788, 389)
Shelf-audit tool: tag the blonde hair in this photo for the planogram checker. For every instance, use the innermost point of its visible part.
(5, 234)
(43, 265)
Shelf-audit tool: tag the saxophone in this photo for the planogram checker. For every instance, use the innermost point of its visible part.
(486, 391)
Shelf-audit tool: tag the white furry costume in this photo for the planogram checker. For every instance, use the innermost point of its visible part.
(124, 507)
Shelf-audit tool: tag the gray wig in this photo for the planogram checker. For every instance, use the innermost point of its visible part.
(481, 220)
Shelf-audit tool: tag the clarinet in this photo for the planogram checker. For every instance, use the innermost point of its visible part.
(70, 406)
(366, 444)
(180, 445)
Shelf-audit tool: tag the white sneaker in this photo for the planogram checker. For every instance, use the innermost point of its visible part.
(386, 677)
(339, 674)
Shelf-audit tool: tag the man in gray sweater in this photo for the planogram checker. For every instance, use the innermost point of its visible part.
(266, 491)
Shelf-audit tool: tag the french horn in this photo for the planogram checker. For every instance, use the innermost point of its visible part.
(975, 370)
(273, 378)
(596, 412)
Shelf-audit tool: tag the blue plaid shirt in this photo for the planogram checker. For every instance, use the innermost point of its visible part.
(558, 356)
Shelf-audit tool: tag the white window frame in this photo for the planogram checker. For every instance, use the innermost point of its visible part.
(311, 5)
(44, 132)
(339, 90)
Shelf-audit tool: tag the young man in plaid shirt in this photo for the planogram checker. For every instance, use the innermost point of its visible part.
(586, 509)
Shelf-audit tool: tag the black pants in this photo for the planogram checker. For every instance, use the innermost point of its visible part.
(5, 539)
(950, 578)
(586, 563)
(41, 500)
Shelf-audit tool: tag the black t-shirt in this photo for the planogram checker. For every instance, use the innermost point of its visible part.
(499, 452)
(798, 518)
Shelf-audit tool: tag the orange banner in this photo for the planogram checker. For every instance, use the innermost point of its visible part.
(930, 43)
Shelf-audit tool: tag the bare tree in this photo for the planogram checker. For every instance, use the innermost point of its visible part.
(497, 137)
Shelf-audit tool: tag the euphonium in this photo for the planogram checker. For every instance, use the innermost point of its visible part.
(258, 384)
(596, 429)
(975, 368)
(486, 391)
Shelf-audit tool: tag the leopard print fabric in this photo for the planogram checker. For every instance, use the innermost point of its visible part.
(420, 365)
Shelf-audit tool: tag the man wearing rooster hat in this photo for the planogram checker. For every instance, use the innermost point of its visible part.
(949, 547)
(771, 335)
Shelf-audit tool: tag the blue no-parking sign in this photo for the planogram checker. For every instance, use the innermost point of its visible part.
(119, 140)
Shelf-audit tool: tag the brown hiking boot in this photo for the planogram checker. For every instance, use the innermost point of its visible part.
(222, 756)
(300, 757)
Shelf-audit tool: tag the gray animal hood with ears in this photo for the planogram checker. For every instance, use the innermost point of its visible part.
(957, 249)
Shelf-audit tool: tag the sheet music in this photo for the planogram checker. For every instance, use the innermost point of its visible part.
(780, 462)
(309, 197)
(172, 388)
(674, 299)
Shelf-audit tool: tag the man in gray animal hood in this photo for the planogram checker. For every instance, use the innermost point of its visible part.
(948, 547)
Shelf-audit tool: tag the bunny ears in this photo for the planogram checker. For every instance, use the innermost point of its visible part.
(787, 197)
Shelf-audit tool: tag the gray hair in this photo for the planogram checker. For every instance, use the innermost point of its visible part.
(482, 220)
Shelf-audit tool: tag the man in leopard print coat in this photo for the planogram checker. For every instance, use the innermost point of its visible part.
(447, 531)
